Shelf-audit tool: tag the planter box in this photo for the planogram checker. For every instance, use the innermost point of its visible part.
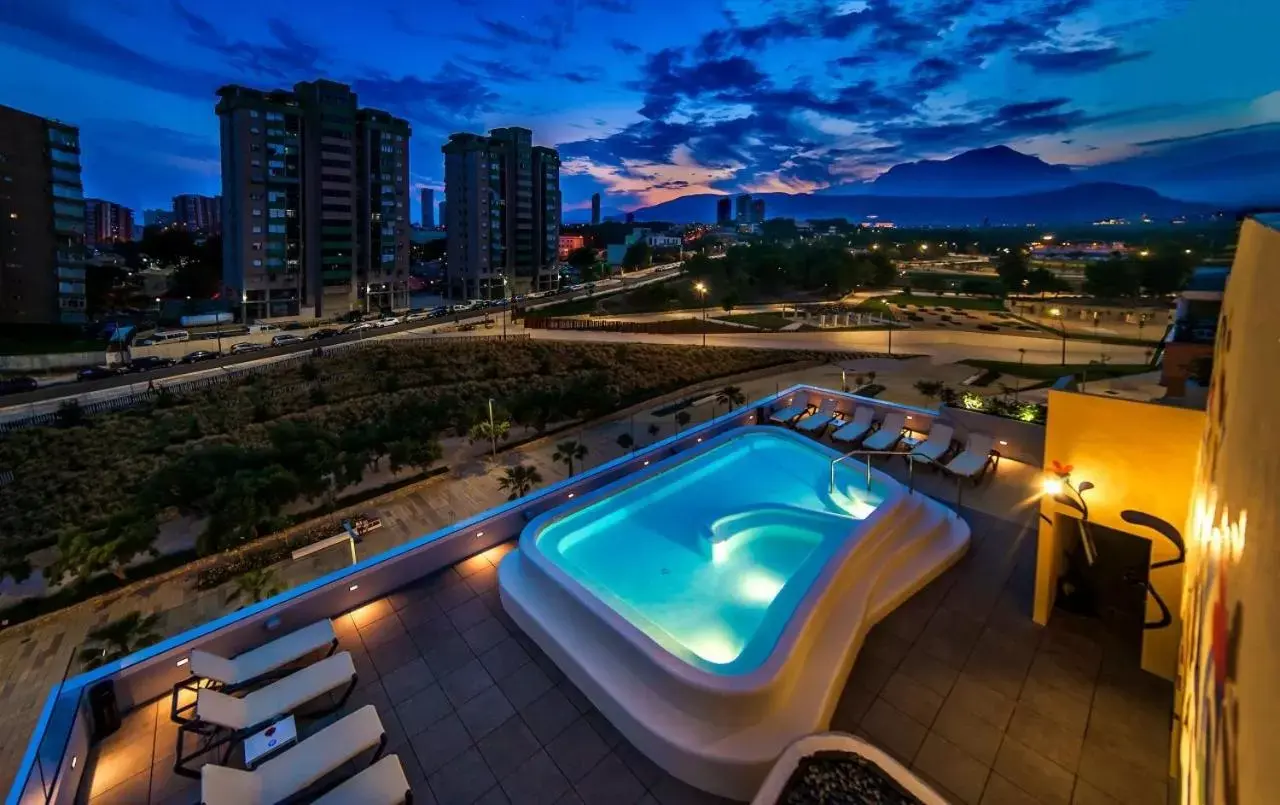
(776, 783)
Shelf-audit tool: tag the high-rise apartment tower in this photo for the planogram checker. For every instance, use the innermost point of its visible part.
(595, 208)
(428, 208)
(503, 214)
(315, 202)
(41, 221)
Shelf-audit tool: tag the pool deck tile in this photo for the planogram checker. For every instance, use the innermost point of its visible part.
(958, 683)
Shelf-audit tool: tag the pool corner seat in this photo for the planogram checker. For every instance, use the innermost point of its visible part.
(785, 416)
(383, 783)
(857, 428)
(933, 448)
(977, 458)
(257, 662)
(889, 433)
(299, 767)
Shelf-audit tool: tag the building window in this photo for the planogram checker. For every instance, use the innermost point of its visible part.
(253, 113)
(257, 230)
(257, 163)
(257, 211)
(276, 212)
(257, 263)
(257, 245)
(255, 130)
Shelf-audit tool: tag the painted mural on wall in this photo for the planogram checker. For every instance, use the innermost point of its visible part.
(1213, 622)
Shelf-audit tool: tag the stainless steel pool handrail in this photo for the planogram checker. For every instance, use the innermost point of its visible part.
(911, 467)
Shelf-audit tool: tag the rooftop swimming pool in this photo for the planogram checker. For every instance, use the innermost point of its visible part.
(710, 556)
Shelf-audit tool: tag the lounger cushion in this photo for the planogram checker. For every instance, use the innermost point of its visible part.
(815, 422)
(856, 429)
(282, 696)
(888, 435)
(297, 767)
(937, 443)
(787, 414)
(264, 658)
(383, 783)
(974, 458)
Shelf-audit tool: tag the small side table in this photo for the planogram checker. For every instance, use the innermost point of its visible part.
(262, 746)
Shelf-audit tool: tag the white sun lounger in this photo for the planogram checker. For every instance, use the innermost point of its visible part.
(890, 433)
(265, 658)
(815, 422)
(932, 448)
(975, 459)
(298, 767)
(280, 697)
(853, 431)
(383, 783)
(783, 416)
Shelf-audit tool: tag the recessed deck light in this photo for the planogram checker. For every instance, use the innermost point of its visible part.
(570, 494)
(699, 438)
(479, 534)
(354, 587)
(1003, 443)
(646, 463)
(74, 760)
(908, 416)
(183, 661)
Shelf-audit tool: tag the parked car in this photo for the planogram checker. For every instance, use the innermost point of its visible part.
(149, 362)
(436, 312)
(418, 315)
(357, 327)
(323, 333)
(200, 355)
(284, 339)
(95, 373)
(16, 385)
(389, 321)
(246, 346)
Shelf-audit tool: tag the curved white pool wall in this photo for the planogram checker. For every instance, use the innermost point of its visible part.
(722, 731)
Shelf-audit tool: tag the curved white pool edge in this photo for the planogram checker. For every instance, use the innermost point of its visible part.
(761, 681)
(729, 759)
(780, 774)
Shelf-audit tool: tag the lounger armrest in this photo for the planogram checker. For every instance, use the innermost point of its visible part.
(383, 783)
(222, 785)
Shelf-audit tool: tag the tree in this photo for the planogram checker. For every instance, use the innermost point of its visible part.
(257, 585)
(519, 481)
(1013, 270)
(83, 554)
(69, 414)
(682, 419)
(929, 282)
(119, 638)
(654, 430)
(1042, 281)
(929, 388)
(569, 451)
(882, 272)
(582, 258)
(625, 441)
(729, 301)
(412, 451)
(731, 396)
(1113, 279)
(1164, 275)
(493, 432)
(638, 255)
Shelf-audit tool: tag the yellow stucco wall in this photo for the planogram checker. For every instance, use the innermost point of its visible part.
(1228, 707)
(1139, 456)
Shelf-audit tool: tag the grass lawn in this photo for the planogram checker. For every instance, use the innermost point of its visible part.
(1052, 371)
(875, 306)
(1102, 339)
(767, 321)
(961, 302)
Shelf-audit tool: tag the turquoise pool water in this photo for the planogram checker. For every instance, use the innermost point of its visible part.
(711, 556)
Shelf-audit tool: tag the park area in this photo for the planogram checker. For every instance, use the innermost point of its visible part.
(211, 470)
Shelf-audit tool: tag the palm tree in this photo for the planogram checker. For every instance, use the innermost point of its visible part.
(731, 396)
(519, 481)
(119, 638)
(568, 452)
(682, 419)
(256, 585)
(484, 431)
(625, 441)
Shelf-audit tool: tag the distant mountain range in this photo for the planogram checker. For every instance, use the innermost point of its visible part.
(983, 173)
(1225, 170)
(1079, 203)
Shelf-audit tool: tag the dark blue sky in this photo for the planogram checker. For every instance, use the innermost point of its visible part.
(649, 99)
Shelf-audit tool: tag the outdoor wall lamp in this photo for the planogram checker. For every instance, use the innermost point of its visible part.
(1058, 486)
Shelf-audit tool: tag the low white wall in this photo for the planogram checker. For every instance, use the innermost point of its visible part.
(51, 361)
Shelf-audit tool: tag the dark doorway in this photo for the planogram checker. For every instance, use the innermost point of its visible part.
(1111, 588)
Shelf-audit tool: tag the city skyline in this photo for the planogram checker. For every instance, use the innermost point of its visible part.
(648, 102)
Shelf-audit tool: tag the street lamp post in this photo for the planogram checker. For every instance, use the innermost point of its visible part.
(1062, 325)
(493, 436)
(701, 288)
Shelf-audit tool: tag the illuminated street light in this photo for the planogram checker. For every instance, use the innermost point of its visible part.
(701, 288)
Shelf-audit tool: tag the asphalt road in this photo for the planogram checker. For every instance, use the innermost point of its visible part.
(49, 397)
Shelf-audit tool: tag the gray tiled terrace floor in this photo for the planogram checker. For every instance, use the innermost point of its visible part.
(958, 683)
